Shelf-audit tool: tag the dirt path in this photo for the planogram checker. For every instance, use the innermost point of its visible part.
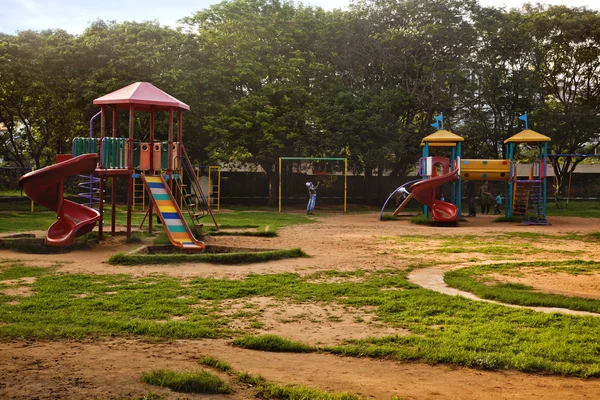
(433, 279)
(112, 369)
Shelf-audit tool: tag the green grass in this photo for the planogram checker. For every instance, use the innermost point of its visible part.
(216, 364)
(422, 219)
(266, 390)
(14, 270)
(489, 243)
(272, 343)
(225, 258)
(37, 246)
(474, 280)
(24, 221)
(260, 219)
(12, 193)
(443, 329)
(589, 209)
(187, 382)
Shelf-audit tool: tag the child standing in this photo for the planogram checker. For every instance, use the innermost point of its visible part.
(312, 197)
(498, 204)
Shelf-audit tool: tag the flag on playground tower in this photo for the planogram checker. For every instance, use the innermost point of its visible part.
(524, 118)
(439, 122)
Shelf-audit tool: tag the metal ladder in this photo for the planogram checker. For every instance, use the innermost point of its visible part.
(192, 196)
(214, 189)
(139, 193)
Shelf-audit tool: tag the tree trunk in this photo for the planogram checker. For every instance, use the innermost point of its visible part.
(273, 181)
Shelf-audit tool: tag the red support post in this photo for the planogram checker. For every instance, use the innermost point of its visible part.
(151, 210)
(130, 167)
(113, 199)
(169, 152)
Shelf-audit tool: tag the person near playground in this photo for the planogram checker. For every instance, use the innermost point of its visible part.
(312, 197)
(485, 197)
(400, 195)
(471, 194)
(498, 204)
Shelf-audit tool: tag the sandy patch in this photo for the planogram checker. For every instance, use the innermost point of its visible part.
(557, 283)
(309, 323)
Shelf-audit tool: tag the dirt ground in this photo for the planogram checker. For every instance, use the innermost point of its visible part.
(111, 369)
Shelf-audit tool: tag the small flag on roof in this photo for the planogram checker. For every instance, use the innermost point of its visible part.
(439, 122)
(524, 118)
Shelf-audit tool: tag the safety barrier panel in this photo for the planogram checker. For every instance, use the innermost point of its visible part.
(141, 156)
(83, 145)
(115, 154)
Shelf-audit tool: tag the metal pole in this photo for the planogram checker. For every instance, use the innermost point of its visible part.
(32, 203)
(345, 183)
(129, 167)
(279, 184)
(513, 173)
(453, 185)
(169, 152)
(545, 159)
(459, 183)
(425, 154)
(114, 179)
(150, 206)
(101, 185)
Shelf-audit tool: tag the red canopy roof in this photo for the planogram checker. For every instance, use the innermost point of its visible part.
(142, 95)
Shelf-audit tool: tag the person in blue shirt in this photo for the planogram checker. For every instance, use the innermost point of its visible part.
(312, 197)
(498, 204)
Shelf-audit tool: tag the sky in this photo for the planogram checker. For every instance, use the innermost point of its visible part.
(75, 15)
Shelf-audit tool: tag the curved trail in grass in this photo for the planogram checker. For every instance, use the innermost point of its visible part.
(433, 279)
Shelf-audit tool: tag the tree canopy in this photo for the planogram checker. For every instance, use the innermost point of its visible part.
(272, 78)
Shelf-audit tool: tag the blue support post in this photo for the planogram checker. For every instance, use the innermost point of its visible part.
(458, 183)
(426, 154)
(545, 176)
(509, 201)
(453, 185)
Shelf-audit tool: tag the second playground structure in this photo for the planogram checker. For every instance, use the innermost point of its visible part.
(524, 197)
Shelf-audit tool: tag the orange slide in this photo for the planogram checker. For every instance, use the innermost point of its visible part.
(45, 187)
(424, 192)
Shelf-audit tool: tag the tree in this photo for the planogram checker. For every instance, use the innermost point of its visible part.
(36, 96)
(502, 84)
(568, 64)
(261, 51)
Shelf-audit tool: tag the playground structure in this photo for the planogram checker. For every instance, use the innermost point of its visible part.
(524, 197)
(164, 168)
(317, 169)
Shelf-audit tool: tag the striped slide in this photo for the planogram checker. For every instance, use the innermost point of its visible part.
(169, 213)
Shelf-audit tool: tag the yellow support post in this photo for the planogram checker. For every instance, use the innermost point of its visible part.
(197, 172)
(279, 184)
(345, 181)
(211, 187)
